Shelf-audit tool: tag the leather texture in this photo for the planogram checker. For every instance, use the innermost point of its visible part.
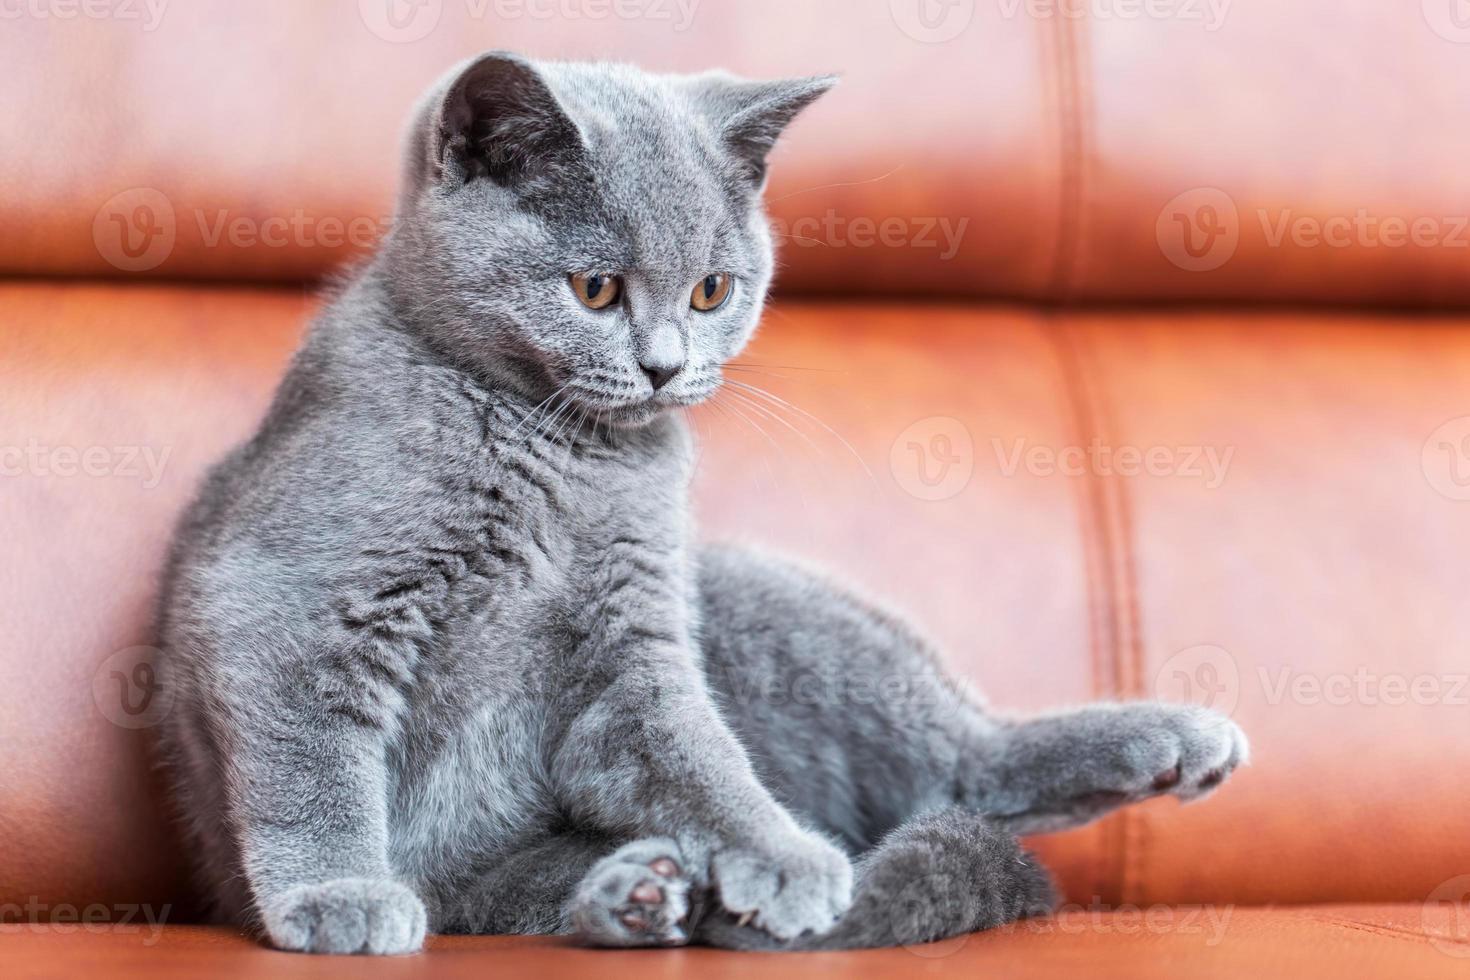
(1311, 941)
(1223, 460)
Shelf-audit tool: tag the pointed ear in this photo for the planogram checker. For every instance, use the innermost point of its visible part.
(752, 115)
(497, 119)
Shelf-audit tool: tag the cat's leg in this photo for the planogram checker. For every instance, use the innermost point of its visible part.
(638, 748)
(940, 874)
(522, 890)
(299, 748)
(851, 721)
(640, 894)
(845, 710)
(1066, 769)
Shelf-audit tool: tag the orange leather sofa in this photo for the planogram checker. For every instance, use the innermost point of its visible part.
(1143, 327)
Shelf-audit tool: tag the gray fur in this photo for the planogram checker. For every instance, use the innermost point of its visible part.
(447, 656)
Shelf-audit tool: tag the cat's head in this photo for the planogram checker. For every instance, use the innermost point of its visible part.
(589, 229)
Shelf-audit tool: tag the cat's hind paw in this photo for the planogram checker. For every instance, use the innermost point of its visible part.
(637, 896)
(1085, 764)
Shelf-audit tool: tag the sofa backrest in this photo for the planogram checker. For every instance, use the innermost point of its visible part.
(1049, 149)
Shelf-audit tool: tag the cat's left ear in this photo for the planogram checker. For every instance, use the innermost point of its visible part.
(752, 115)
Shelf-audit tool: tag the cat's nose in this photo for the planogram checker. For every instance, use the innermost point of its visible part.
(660, 373)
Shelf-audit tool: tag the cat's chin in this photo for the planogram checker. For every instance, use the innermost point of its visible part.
(639, 414)
(631, 416)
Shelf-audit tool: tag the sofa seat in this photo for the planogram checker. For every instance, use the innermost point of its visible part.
(1167, 942)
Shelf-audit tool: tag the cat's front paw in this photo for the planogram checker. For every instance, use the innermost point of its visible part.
(797, 885)
(640, 895)
(348, 915)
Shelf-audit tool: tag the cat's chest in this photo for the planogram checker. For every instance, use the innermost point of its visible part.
(545, 520)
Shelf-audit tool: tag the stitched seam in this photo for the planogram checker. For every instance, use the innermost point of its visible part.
(1116, 647)
(1071, 133)
(1098, 570)
(1114, 511)
(1128, 654)
(1392, 932)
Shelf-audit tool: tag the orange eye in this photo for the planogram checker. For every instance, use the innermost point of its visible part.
(711, 292)
(596, 291)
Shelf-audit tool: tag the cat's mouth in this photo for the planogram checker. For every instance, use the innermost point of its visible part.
(628, 413)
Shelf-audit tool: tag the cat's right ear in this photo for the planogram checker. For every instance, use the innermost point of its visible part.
(496, 119)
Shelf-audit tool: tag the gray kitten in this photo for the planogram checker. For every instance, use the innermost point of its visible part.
(447, 656)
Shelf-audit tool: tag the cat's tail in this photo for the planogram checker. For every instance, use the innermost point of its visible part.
(939, 875)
